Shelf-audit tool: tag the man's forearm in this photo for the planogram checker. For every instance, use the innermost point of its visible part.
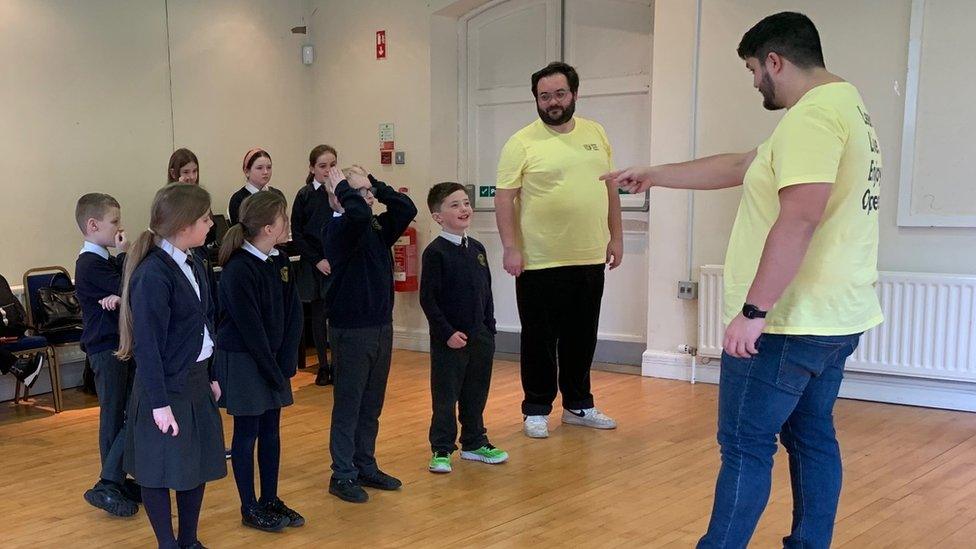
(786, 246)
(505, 217)
(712, 172)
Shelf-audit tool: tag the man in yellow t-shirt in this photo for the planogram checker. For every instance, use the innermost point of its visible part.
(799, 280)
(560, 226)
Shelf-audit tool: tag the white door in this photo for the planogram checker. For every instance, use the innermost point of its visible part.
(609, 43)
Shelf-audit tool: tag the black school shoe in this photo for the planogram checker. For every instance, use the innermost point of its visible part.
(324, 376)
(278, 507)
(256, 516)
(380, 481)
(195, 545)
(131, 490)
(109, 498)
(348, 489)
(27, 368)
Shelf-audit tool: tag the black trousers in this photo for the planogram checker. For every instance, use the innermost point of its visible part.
(320, 331)
(459, 379)
(113, 383)
(560, 312)
(7, 359)
(361, 362)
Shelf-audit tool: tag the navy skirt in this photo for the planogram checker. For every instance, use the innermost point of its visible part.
(183, 462)
(243, 390)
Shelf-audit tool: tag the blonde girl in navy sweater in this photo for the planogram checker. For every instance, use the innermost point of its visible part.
(175, 439)
(257, 351)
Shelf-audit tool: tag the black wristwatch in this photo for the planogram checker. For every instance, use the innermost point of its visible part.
(751, 311)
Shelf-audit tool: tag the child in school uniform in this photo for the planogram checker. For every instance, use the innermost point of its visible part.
(183, 167)
(310, 213)
(360, 309)
(174, 439)
(257, 350)
(257, 176)
(98, 284)
(455, 293)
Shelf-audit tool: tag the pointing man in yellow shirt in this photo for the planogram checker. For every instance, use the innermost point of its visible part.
(799, 280)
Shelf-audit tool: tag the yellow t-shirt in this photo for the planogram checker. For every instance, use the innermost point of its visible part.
(827, 137)
(563, 205)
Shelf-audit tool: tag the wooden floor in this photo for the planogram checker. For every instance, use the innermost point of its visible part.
(910, 476)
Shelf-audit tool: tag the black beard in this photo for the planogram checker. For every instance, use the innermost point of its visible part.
(768, 90)
(566, 116)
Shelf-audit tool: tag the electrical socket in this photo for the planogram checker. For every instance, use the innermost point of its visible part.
(687, 289)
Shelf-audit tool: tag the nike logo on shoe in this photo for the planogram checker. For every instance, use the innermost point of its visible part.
(581, 413)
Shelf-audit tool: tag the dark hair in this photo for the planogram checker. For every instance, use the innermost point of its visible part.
(260, 153)
(180, 158)
(791, 35)
(318, 151)
(439, 192)
(174, 207)
(556, 67)
(257, 210)
(93, 206)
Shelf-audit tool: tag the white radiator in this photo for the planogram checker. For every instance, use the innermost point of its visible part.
(929, 329)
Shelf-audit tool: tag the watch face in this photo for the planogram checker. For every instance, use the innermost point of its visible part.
(751, 311)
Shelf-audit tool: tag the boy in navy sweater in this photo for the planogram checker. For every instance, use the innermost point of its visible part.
(98, 282)
(360, 310)
(455, 293)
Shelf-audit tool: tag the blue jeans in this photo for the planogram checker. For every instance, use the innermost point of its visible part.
(788, 388)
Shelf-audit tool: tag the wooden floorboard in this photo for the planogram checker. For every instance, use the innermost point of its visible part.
(910, 475)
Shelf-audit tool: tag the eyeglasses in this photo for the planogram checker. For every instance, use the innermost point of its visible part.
(364, 191)
(559, 95)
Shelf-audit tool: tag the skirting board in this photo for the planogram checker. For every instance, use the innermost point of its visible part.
(929, 393)
(611, 352)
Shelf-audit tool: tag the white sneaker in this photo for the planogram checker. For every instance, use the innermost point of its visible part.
(536, 426)
(589, 417)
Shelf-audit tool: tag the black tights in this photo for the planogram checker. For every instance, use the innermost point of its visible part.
(160, 512)
(266, 430)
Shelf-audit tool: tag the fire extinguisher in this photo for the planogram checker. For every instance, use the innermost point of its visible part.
(405, 277)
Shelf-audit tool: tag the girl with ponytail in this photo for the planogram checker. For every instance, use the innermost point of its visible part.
(174, 437)
(257, 351)
(311, 212)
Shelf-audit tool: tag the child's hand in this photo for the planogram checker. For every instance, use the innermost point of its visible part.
(164, 420)
(121, 242)
(335, 177)
(110, 303)
(457, 341)
(324, 267)
(215, 388)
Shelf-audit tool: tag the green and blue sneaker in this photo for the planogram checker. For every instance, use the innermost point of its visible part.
(486, 454)
(440, 463)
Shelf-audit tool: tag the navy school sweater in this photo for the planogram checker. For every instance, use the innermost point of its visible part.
(236, 199)
(455, 289)
(168, 321)
(260, 313)
(310, 213)
(97, 278)
(357, 245)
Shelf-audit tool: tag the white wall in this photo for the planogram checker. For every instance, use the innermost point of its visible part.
(353, 92)
(238, 83)
(86, 93)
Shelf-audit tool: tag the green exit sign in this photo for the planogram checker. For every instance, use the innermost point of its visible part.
(486, 191)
